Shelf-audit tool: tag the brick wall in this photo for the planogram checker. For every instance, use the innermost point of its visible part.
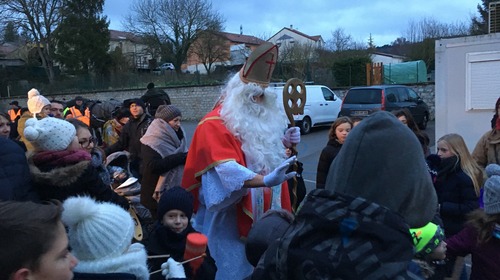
(194, 102)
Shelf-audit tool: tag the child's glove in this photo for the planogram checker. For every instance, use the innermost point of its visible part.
(278, 175)
(172, 269)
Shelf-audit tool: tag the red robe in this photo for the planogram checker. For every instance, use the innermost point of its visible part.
(212, 145)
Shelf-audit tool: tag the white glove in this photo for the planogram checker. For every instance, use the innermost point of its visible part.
(292, 136)
(172, 269)
(278, 175)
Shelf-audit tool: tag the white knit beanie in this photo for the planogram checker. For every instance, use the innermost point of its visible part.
(36, 101)
(49, 134)
(97, 230)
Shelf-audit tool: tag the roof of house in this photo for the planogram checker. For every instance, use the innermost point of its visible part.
(314, 38)
(7, 48)
(116, 35)
(242, 39)
(388, 55)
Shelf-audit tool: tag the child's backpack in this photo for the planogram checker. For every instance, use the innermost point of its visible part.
(336, 236)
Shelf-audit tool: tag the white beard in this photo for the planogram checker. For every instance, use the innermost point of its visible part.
(259, 126)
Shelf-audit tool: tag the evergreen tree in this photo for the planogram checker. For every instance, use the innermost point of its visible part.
(83, 38)
(480, 24)
(10, 33)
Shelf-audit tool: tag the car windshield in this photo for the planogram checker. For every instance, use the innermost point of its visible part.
(363, 96)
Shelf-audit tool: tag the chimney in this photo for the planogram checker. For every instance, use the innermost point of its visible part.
(291, 26)
(241, 29)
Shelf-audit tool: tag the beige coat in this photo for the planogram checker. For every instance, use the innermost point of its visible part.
(487, 149)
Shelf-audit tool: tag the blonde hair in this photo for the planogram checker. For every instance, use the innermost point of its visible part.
(469, 166)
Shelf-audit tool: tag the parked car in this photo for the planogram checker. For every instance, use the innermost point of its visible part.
(322, 107)
(362, 101)
(167, 66)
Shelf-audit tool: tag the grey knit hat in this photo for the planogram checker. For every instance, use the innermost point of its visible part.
(491, 195)
(167, 112)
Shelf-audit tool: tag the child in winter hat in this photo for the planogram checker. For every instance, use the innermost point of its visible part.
(491, 195)
(100, 234)
(176, 198)
(170, 234)
(37, 103)
(430, 248)
(428, 241)
(50, 134)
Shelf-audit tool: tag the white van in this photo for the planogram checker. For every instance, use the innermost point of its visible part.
(322, 107)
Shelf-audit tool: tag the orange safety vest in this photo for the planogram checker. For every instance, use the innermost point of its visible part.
(13, 115)
(75, 113)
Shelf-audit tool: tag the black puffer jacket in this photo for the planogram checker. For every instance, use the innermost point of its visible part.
(456, 197)
(15, 183)
(61, 182)
(326, 158)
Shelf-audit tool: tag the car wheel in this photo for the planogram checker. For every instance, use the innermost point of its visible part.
(425, 120)
(305, 126)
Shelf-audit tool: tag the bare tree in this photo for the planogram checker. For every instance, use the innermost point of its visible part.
(340, 40)
(295, 60)
(210, 47)
(174, 24)
(39, 18)
(430, 28)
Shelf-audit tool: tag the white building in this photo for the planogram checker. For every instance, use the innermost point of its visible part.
(386, 58)
(467, 85)
(288, 37)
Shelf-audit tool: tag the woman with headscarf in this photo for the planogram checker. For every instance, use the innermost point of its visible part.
(164, 150)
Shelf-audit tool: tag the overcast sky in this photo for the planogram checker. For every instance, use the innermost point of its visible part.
(386, 20)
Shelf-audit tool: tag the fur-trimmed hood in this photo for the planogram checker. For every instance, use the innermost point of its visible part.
(59, 176)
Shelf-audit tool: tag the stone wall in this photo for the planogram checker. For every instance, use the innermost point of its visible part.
(194, 102)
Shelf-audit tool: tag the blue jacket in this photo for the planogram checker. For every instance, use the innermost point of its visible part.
(15, 183)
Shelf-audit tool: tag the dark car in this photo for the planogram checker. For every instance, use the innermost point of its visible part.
(362, 101)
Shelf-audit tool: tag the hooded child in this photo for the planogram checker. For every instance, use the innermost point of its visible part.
(376, 189)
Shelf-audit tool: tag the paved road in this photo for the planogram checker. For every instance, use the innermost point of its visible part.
(309, 148)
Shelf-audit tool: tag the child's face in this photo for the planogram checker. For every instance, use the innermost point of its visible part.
(175, 123)
(439, 253)
(176, 220)
(342, 131)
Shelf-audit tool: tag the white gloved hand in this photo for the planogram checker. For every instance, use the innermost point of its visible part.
(292, 136)
(172, 269)
(278, 175)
